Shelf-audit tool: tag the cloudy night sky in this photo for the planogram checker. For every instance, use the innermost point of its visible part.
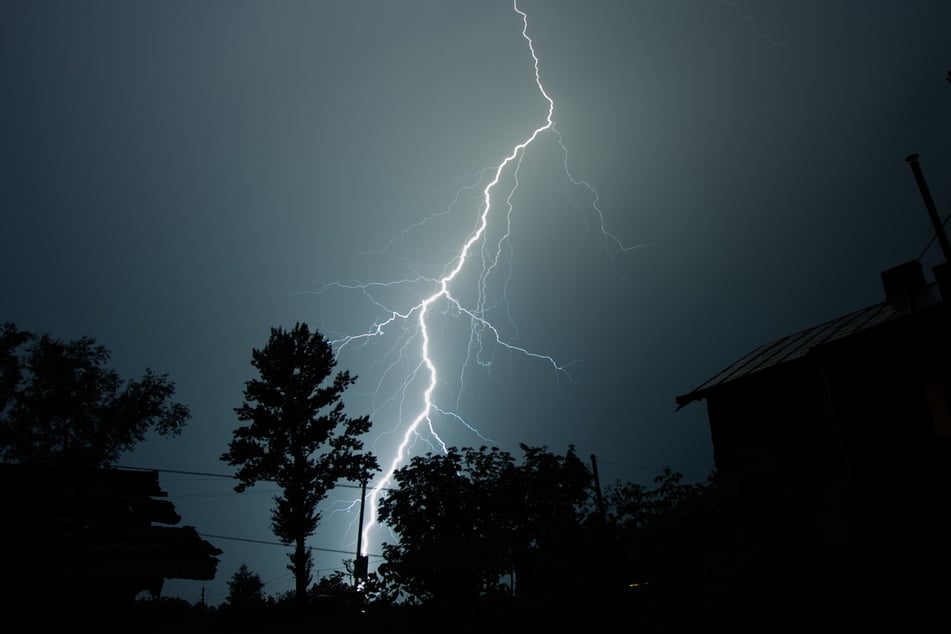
(179, 177)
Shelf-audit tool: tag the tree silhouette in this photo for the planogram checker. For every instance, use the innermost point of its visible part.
(670, 547)
(474, 525)
(481, 536)
(245, 588)
(554, 560)
(75, 527)
(61, 405)
(298, 436)
(449, 512)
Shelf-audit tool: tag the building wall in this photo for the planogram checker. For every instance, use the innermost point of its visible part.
(834, 470)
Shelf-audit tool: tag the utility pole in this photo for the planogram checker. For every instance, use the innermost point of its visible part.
(597, 488)
(361, 563)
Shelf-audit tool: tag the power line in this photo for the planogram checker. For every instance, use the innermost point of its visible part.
(197, 473)
(243, 539)
(270, 543)
(228, 476)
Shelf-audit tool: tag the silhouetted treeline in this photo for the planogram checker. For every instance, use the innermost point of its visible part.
(491, 543)
(485, 540)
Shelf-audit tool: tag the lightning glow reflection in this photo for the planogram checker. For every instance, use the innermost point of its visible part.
(416, 319)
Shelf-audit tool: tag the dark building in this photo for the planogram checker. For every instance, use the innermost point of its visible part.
(73, 539)
(833, 449)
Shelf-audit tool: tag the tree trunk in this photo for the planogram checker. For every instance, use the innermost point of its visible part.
(300, 573)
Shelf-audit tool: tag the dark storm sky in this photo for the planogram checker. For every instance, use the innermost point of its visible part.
(178, 177)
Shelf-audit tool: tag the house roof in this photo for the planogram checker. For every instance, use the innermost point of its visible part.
(84, 527)
(795, 346)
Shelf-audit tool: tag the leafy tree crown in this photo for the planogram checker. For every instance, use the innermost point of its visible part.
(61, 404)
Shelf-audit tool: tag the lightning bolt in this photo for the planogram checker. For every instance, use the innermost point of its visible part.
(434, 295)
(755, 27)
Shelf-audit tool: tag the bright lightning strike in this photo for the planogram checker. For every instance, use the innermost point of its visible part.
(438, 297)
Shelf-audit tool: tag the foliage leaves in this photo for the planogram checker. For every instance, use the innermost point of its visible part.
(298, 435)
(245, 588)
(61, 404)
(475, 525)
(471, 522)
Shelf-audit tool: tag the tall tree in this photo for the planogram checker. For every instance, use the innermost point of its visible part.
(554, 559)
(453, 519)
(60, 403)
(298, 436)
(473, 523)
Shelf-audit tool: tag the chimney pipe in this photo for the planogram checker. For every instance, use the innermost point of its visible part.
(929, 204)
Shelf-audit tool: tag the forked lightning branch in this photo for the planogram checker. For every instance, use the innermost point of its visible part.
(477, 255)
